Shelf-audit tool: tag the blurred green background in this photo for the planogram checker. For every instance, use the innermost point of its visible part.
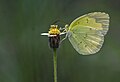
(26, 57)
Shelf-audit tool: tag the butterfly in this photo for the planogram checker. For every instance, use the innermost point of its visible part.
(86, 33)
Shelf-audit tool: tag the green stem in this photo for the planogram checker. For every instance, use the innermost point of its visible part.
(55, 65)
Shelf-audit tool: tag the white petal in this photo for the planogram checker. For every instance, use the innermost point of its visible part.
(44, 34)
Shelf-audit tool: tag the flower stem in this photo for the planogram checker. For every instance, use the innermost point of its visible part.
(55, 64)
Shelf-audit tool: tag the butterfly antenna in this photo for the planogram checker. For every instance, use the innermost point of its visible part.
(59, 21)
(55, 22)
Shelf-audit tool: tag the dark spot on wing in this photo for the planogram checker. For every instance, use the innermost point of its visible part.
(80, 43)
(85, 45)
(87, 20)
(90, 28)
(85, 36)
(75, 36)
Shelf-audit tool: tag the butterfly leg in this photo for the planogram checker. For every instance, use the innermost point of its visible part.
(65, 32)
(64, 38)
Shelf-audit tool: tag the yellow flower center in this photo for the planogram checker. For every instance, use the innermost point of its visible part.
(54, 30)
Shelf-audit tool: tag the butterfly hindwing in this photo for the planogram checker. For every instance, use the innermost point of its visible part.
(86, 40)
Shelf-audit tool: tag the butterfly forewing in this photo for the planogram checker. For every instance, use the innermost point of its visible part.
(96, 20)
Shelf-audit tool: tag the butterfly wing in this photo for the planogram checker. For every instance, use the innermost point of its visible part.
(86, 33)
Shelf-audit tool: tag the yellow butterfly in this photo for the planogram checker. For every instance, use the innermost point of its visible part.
(86, 33)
